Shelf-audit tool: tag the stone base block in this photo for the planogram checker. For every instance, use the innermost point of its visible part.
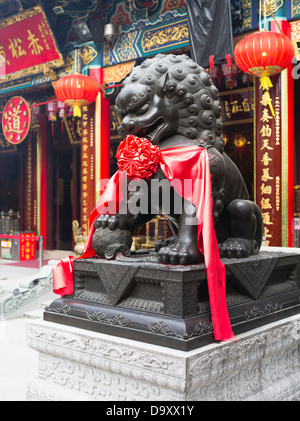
(138, 298)
(77, 364)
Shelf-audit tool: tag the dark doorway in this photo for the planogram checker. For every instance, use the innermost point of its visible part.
(9, 182)
(240, 148)
(66, 203)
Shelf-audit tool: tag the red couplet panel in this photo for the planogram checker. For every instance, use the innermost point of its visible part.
(27, 246)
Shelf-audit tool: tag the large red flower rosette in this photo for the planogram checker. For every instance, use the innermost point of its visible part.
(138, 157)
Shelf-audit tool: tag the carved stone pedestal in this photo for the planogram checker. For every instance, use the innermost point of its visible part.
(78, 365)
(137, 298)
(137, 330)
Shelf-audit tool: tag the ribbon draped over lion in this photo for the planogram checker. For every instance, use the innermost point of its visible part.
(171, 102)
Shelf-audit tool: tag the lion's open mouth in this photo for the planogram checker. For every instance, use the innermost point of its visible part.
(152, 132)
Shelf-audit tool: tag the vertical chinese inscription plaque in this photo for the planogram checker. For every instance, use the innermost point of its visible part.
(269, 160)
(87, 165)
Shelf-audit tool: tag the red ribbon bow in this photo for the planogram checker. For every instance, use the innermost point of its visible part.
(138, 157)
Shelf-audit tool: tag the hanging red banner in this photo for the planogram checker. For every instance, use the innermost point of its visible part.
(88, 178)
(16, 120)
(27, 45)
(269, 161)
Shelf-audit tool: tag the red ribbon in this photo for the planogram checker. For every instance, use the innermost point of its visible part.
(181, 163)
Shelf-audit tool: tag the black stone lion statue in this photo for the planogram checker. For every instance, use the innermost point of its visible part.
(170, 100)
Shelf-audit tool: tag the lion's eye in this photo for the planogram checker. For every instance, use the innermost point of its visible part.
(143, 109)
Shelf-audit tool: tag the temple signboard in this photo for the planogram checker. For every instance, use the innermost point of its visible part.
(87, 165)
(27, 45)
(238, 105)
(16, 120)
(269, 161)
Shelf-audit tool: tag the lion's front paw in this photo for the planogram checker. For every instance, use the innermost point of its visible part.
(123, 222)
(107, 244)
(238, 248)
(180, 253)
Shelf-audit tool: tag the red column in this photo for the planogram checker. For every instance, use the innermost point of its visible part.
(43, 178)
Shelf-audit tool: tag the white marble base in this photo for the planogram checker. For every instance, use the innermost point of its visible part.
(75, 364)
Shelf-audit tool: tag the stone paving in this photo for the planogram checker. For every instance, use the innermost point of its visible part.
(18, 363)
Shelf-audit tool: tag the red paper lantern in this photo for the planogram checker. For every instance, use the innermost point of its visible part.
(76, 91)
(264, 54)
(35, 113)
(62, 112)
(231, 74)
(213, 73)
(62, 109)
(52, 111)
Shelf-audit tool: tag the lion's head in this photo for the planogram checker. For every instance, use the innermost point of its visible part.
(168, 95)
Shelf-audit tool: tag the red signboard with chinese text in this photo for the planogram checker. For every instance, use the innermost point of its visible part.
(27, 246)
(16, 120)
(22, 247)
(27, 44)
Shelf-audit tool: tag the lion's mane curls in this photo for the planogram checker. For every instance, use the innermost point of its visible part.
(190, 88)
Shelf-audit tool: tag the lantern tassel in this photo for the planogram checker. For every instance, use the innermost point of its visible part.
(77, 111)
(266, 84)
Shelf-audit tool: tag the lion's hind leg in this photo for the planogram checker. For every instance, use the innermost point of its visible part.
(245, 230)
